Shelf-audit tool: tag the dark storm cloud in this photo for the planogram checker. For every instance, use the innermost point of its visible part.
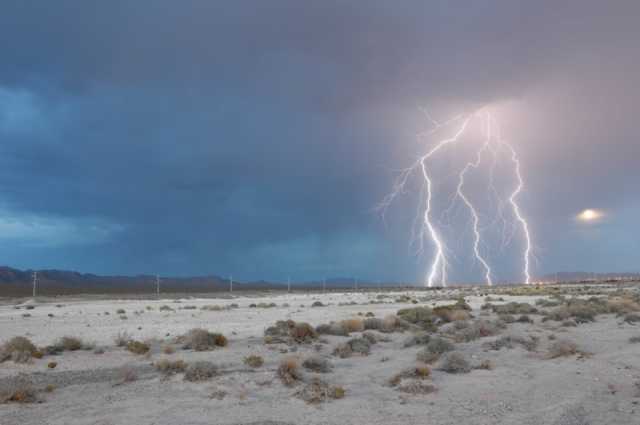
(203, 136)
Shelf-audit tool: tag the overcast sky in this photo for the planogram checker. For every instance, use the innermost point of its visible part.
(257, 137)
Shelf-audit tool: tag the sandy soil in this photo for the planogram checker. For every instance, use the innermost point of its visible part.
(597, 387)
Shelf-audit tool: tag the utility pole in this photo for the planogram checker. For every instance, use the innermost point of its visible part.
(35, 282)
(158, 285)
(288, 284)
(355, 283)
(231, 283)
(324, 285)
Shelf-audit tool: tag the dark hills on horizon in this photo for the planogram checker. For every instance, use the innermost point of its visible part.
(15, 282)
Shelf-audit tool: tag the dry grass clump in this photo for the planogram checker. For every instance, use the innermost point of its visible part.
(122, 338)
(417, 387)
(137, 347)
(52, 365)
(485, 365)
(290, 331)
(200, 371)
(254, 361)
(355, 346)
(318, 391)
(317, 304)
(510, 341)
(289, 371)
(420, 316)
(69, 343)
(623, 305)
(634, 340)
(18, 390)
(127, 374)
(332, 328)
(18, 349)
(455, 362)
(170, 367)
(317, 364)
(433, 350)
(421, 338)
(562, 348)
(478, 329)
(120, 311)
(453, 312)
(420, 371)
(514, 308)
(353, 325)
(632, 318)
(393, 323)
(202, 340)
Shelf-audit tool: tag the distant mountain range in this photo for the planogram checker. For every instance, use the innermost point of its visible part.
(14, 282)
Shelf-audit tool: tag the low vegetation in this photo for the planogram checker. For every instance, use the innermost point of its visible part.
(200, 371)
(254, 361)
(202, 340)
(455, 362)
(289, 371)
(318, 391)
(18, 390)
(562, 348)
(170, 367)
(355, 346)
(137, 347)
(317, 364)
(18, 349)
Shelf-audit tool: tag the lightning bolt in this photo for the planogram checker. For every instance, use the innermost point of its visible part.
(471, 208)
(516, 210)
(428, 230)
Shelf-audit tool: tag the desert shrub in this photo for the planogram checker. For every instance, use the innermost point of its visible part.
(507, 318)
(200, 371)
(289, 371)
(120, 311)
(317, 364)
(170, 367)
(318, 391)
(137, 347)
(634, 340)
(514, 308)
(168, 349)
(52, 365)
(622, 306)
(302, 332)
(254, 361)
(524, 319)
(353, 325)
(454, 362)
(421, 338)
(393, 323)
(373, 323)
(266, 305)
(417, 372)
(317, 304)
(371, 337)
(510, 341)
(632, 318)
(485, 364)
(478, 329)
(332, 328)
(417, 387)
(202, 340)
(420, 316)
(18, 389)
(542, 302)
(69, 343)
(562, 348)
(122, 339)
(569, 323)
(433, 350)
(18, 349)
(166, 308)
(453, 312)
(355, 346)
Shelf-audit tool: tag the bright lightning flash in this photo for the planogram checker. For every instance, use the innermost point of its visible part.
(492, 143)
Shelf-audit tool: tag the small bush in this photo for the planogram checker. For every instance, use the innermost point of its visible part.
(165, 308)
(632, 318)
(421, 338)
(52, 365)
(69, 343)
(122, 339)
(318, 391)
(254, 361)
(203, 340)
(562, 348)
(634, 340)
(420, 316)
(18, 349)
(485, 364)
(128, 374)
(355, 346)
(200, 371)
(332, 329)
(18, 390)
(317, 304)
(120, 311)
(524, 319)
(510, 341)
(168, 349)
(170, 367)
(455, 362)
(353, 325)
(289, 371)
(417, 387)
(514, 308)
(137, 347)
(317, 364)
(302, 332)
(373, 323)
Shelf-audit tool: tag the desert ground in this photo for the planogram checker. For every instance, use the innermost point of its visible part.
(552, 354)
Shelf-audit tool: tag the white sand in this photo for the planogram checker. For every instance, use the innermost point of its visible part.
(524, 387)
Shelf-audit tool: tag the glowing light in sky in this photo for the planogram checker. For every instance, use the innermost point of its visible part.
(590, 215)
